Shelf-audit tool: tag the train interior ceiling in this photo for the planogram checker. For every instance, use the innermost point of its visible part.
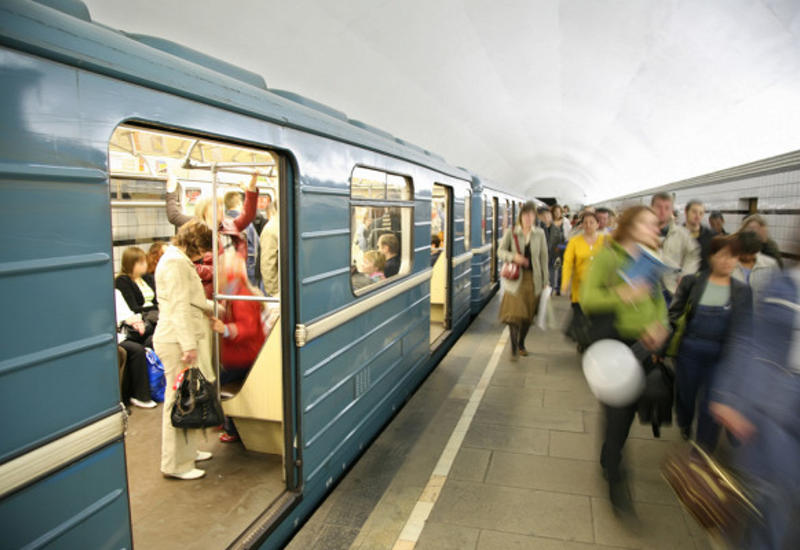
(251, 468)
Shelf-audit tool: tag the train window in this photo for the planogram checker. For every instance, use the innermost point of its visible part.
(467, 219)
(483, 220)
(381, 218)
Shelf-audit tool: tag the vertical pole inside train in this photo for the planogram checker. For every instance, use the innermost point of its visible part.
(214, 274)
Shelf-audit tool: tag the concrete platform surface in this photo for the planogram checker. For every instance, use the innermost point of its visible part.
(525, 476)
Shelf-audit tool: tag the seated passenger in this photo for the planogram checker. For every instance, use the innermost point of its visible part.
(240, 327)
(389, 245)
(436, 248)
(154, 254)
(755, 268)
(138, 292)
(135, 383)
(369, 270)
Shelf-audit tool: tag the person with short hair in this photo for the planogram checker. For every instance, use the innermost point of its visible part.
(717, 222)
(269, 243)
(709, 304)
(755, 268)
(758, 225)
(389, 245)
(602, 215)
(178, 339)
(678, 248)
(694, 212)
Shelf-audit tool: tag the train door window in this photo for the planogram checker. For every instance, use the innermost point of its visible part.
(441, 253)
(381, 217)
(493, 237)
(241, 347)
(467, 220)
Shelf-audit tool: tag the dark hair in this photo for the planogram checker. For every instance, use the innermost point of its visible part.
(529, 206)
(602, 210)
(590, 214)
(749, 242)
(715, 214)
(436, 241)
(195, 236)
(662, 196)
(692, 203)
(542, 210)
(553, 209)
(153, 255)
(132, 256)
(627, 219)
(721, 242)
(391, 242)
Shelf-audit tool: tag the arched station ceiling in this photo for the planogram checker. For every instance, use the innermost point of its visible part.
(578, 99)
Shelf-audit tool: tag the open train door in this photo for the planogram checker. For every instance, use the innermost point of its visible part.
(441, 262)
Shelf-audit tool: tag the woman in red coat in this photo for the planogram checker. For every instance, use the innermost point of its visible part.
(240, 328)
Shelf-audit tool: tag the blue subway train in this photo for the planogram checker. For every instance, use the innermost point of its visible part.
(92, 118)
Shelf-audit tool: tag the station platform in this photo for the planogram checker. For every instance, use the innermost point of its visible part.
(494, 454)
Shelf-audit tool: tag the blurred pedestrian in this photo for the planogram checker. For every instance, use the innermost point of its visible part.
(636, 314)
(755, 268)
(678, 248)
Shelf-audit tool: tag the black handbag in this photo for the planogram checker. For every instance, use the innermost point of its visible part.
(196, 403)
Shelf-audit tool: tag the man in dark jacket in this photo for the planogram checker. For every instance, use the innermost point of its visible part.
(702, 234)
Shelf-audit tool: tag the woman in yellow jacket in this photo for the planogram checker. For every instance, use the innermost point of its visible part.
(581, 250)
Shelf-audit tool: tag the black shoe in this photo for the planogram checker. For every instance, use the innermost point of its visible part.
(621, 498)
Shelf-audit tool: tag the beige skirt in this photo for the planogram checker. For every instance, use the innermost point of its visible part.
(520, 308)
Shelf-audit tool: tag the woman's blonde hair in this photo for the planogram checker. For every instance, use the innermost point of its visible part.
(130, 257)
(376, 258)
(627, 220)
(195, 236)
(758, 218)
(202, 210)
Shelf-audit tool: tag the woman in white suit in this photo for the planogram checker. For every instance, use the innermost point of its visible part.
(183, 322)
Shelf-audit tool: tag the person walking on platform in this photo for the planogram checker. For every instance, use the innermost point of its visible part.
(525, 246)
(578, 257)
(695, 211)
(181, 327)
(678, 248)
(634, 313)
(706, 308)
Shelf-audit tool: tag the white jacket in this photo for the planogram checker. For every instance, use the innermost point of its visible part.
(762, 273)
(679, 249)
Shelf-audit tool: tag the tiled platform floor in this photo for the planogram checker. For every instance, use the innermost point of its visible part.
(526, 475)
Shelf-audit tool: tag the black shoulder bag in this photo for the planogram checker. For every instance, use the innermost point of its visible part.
(196, 403)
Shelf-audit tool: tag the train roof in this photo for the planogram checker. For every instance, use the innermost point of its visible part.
(62, 30)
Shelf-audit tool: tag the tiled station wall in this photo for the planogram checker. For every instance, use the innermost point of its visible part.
(778, 201)
(138, 226)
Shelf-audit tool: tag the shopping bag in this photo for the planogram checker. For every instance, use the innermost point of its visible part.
(544, 307)
(155, 373)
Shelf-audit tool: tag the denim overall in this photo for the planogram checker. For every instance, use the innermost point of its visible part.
(700, 350)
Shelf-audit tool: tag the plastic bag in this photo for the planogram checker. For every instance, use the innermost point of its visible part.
(155, 373)
(545, 309)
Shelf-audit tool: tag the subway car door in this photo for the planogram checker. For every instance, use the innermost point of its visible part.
(495, 239)
(441, 233)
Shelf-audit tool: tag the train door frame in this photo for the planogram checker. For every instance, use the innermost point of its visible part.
(264, 523)
(447, 263)
(495, 239)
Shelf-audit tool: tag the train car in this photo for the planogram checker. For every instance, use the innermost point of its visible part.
(93, 119)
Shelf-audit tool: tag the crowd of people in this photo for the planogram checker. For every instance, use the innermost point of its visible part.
(164, 302)
(720, 316)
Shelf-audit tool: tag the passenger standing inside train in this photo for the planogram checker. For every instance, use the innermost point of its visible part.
(578, 258)
(233, 207)
(638, 313)
(229, 230)
(758, 225)
(710, 304)
(270, 253)
(557, 242)
(695, 211)
(717, 222)
(678, 248)
(758, 401)
(526, 246)
(755, 268)
(389, 246)
(182, 326)
(240, 328)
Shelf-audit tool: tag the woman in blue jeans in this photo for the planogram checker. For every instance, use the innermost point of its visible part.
(712, 302)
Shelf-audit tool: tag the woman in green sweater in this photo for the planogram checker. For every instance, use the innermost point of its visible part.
(634, 312)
